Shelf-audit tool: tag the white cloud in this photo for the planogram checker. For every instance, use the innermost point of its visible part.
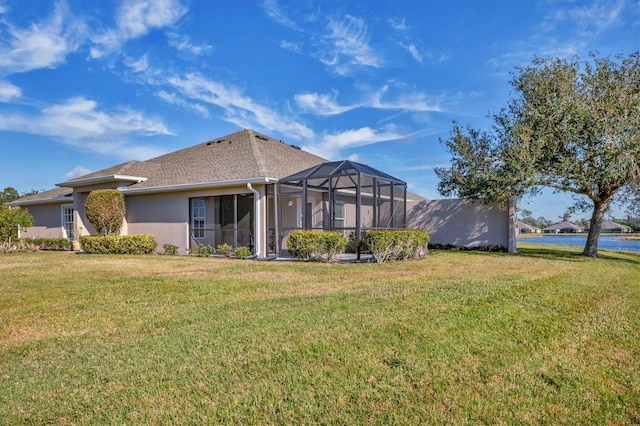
(331, 144)
(77, 171)
(8, 91)
(183, 44)
(78, 122)
(413, 50)
(347, 46)
(321, 104)
(135, 19)
(174, 99)
(140, 65)
(288, 45)
(275, 11)
(239, 109)
(43, 44)
(398, 25)
(383, 99)
(590, 19)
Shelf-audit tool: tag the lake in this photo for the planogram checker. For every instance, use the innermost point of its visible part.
(608, 242)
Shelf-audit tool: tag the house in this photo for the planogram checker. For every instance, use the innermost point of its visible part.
(243, 189)
(611, 226)
(563, 228)
(525, 228)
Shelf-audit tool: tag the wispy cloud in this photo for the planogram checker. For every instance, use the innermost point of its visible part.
(398, 24)
(183, 43)
(172, 98)
(288, 45)
(135, 19)
(77, 171)
(238, 108)
(413, 50)
(592, 18)
(321, 104)
(43, 44)
(139, 65)
(388, 97)
(79, 122)
(277, 13)
(8, 91)
(346, 46)
(330, 145)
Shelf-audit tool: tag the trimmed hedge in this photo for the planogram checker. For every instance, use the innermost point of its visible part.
(494, 248)
(61, 244)
(397, 244)
(316, 245)
(118, 244)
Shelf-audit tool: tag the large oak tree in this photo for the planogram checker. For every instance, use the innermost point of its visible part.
(572, 126)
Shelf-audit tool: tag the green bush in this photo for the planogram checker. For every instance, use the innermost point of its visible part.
(105, 209)
(203, 250)
(170, 249)
(118, 244)
(61, 244)
(224, 249)
(397, 244)
(242, 252)
(495, 248)
(316, 245)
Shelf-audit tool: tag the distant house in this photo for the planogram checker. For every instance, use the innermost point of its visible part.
(611, 226)
(525, 228)
(563, 228)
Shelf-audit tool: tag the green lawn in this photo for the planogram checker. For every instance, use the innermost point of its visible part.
(543, 336)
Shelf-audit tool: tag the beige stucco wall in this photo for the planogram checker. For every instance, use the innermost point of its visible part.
(48, 223)
(462, 222)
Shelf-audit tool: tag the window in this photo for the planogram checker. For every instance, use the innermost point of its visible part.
(67, 222)
(198, 218)
(338, 215)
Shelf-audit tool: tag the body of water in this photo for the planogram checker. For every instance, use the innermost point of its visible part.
(608, 242)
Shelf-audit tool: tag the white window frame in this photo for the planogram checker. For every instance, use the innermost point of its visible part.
(198, 232)
(343, 218)
(67, 212)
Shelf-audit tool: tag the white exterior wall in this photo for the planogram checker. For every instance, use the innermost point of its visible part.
(464, 223)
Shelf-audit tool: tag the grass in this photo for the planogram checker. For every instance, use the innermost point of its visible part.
(543, 336)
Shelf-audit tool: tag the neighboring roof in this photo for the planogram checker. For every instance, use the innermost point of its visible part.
(522, 225)
(52, 196)
(563, 225)
(244, 156)
(609, 224)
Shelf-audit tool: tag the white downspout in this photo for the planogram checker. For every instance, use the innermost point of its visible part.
(256, 221)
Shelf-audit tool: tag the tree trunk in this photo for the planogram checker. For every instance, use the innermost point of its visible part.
(591, 247)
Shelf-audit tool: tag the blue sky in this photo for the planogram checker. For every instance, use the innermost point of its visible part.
(87, 85)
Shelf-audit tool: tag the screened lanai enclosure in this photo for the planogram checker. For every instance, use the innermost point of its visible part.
(343, 196)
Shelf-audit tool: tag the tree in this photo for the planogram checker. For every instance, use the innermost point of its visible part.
(572, 127)
(105, 210)
(10, 218)
(8, 194)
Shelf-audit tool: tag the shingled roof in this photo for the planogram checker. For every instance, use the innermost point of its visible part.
(244, 155)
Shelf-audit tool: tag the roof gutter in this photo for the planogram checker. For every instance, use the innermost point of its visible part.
(101, 179)
(194, 186)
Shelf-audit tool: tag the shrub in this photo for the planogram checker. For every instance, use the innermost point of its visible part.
(351, 243)
(224, 249)
(495, 248)
(170, 249)
(241, 252)
(316, 245)
(397, 244)
(10, 218)
(203, 250)
(61, 244)
(119, 244)
(17, 246)
(105, 210)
